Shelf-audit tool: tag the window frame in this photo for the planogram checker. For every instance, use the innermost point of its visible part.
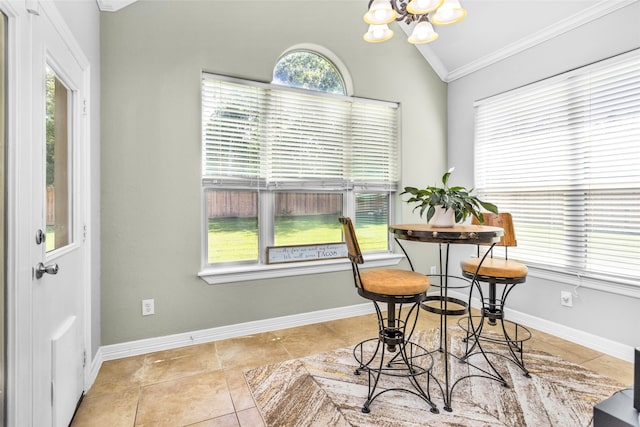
(250, 270)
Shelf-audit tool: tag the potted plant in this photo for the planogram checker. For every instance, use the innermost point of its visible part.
(447, 205)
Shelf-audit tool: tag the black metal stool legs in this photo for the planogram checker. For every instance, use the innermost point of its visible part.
(510, 334)
(393, 354)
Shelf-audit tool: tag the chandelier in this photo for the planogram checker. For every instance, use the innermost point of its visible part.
(424, 12)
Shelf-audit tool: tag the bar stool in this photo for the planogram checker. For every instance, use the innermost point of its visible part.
(495, 272)
(392, 352)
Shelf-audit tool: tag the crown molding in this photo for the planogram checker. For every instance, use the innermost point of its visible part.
(435, 62)
(113, 5)
(428, 54)
(588, 15)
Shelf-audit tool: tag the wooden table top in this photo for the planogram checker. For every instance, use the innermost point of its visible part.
(459, 233)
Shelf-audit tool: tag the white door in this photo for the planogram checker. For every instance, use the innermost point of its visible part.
(58, 324)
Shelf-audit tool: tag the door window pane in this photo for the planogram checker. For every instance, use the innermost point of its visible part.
(307, 218)
(58, 166)
(232, 218)
(372, 219)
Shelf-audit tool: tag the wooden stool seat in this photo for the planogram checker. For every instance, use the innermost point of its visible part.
(387, 281)
(495, 267)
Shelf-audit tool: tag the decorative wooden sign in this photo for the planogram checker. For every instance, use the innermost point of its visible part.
(298, 253)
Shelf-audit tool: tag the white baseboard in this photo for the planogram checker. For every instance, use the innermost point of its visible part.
(150, 345)
(134, 348)
(595, 342)
(603, 345)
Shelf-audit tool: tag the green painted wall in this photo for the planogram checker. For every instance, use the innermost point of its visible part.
(152, 54)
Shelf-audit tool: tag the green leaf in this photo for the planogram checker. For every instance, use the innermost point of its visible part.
(489, 206)
(445, 178)
(430, 213)
(412, 190)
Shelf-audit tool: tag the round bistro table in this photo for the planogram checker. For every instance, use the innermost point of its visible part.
(469, 234)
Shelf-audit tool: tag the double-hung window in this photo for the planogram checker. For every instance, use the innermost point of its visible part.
(563, 155)
(281, 164)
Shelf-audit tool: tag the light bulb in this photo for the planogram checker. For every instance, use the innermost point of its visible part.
(380, 13)
(378, 33)
(449, 13)
(422, 7)
(422, 33)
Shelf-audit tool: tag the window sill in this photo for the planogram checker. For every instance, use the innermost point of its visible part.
(257, 272)
(600, 283)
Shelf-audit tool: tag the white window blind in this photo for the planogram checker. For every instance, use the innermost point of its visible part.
(258, 134)
(563, 155)
(232, 126)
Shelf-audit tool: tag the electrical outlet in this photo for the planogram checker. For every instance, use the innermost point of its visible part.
(148, 307)
(434, 270)
(566, 299)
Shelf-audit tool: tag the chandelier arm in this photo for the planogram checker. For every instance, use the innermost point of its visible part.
(400, 6)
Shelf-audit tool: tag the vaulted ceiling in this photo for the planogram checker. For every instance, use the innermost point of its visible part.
(493, 29)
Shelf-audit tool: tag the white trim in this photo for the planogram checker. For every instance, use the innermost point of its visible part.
(434, 60)
(427, 52)
(601, 284)
(595, 342)
(65, 34)
(216, 276)
(601, 344)
(113, 5)
(144, 346)
(93, 368)
(557, 29)
(134, 348)
(18, 299)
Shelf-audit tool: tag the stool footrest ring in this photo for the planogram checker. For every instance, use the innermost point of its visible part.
(464, 306)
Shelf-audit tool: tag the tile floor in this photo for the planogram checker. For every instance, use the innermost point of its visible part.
(203, 385)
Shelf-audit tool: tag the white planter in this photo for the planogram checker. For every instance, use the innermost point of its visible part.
(443, 218)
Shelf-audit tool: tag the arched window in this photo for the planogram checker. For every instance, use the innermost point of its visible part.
(308, 70)
(280, 165)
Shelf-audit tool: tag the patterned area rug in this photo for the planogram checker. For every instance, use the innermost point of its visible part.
(321, 390)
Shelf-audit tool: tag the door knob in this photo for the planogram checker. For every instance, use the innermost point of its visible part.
(41, 269)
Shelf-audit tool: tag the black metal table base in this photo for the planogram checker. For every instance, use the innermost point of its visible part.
(447, 390)
(447, 385)
(512, 335)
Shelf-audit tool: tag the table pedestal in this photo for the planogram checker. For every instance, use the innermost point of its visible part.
(440, 304)
(459, 308)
